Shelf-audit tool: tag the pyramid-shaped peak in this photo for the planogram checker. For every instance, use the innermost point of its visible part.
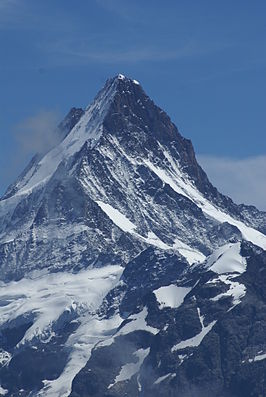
(119, 85)
(122, 77)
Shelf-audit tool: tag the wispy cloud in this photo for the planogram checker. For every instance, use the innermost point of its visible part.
(241, 179)
(82, 51)
(127, 10)
(35, 134)
(38, 133)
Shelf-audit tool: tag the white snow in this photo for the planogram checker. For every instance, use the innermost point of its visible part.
(236, 290)
(191, 254)
(162, 378)
(197, 339)
(3, 391)
(136, 82)
(171, 296)
(182, 185)
(137, 323)
(121, 77)
(259, 357)
(130, 369)
(120, 220)
(91, 331)
(5, 357)
(117, 217)
(183, 357)
(227, 259)
(89, 128)
(48, 296)
(126, 225)
(227, 262)
(154, 240)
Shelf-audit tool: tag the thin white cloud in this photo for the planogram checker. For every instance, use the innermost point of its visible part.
(38, 133)
(35, 134)
(244, 180)
(83, 51)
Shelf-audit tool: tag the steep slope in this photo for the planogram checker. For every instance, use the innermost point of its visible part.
(123, 152)
(124, 271)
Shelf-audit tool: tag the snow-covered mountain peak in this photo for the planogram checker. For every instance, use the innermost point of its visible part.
(123, 271)
(122, 77)
(122, 169)
(120, 96)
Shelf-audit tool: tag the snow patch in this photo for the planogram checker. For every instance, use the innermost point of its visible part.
(91, 331)
(130, 369)
(162, 378)
(227, 259)
(137, 322)
(197, 339)
(236, 290)
(5, 357)
(259, 357)
(120, 220)
(117, 217)
(181, 184)
(3, 391)
(191, 254)
(171, 296)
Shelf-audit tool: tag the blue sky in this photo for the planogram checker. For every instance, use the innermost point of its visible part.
(203, 62)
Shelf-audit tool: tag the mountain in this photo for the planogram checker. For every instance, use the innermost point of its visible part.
(124, 271)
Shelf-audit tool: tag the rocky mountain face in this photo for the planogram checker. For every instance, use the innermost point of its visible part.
(123, 271)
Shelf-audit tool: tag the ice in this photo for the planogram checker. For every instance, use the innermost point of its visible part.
(227, 259)
(197, 339)
(171, 296)
(48, 296)
(130, 369)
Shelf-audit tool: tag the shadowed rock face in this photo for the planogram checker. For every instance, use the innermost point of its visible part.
(180, 312)
(223, 363)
